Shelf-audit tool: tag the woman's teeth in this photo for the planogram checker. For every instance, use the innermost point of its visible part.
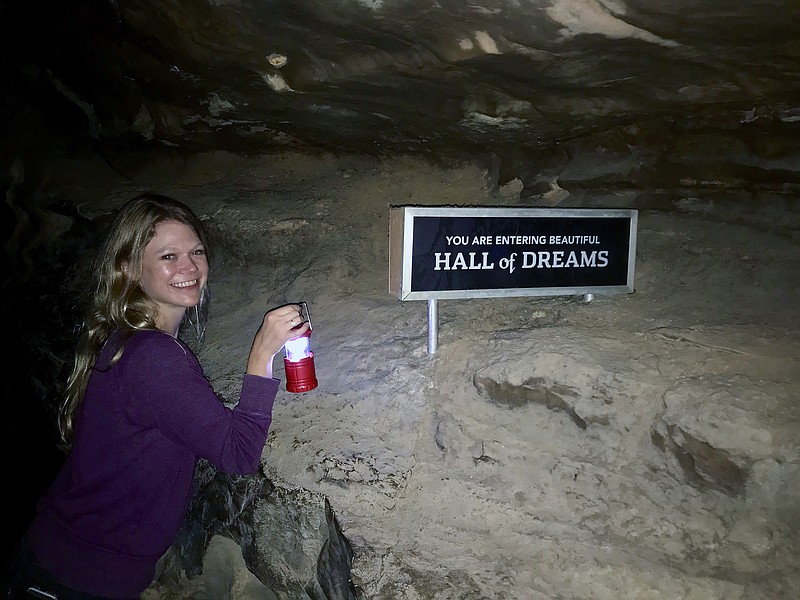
(185, 283)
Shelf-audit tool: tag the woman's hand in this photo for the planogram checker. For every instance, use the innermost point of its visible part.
(279, 326)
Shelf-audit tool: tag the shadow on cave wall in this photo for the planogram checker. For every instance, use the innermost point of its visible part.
(43, 239)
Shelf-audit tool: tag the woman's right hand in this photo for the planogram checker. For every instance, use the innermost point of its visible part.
(279, 326)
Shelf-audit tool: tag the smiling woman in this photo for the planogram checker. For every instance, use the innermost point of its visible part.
(143, 414)
(174, 272)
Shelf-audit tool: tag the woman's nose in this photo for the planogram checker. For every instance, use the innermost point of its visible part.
(188, 264)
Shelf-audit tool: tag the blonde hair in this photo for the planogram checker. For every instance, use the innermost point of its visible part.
(119, 303)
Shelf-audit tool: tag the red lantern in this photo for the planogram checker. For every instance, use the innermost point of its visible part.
(299, 360)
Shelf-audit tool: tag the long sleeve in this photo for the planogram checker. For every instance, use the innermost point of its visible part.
(167, 389)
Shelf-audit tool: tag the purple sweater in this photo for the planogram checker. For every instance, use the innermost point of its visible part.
(124, 489)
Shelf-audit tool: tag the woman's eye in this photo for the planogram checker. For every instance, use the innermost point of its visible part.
(168, 256)
(199, 252)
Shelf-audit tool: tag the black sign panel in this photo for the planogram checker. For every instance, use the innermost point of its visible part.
(501, 252)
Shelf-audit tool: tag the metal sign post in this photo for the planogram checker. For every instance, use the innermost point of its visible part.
(433, 325)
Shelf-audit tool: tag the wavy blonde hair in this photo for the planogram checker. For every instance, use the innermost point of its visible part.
(118, 302)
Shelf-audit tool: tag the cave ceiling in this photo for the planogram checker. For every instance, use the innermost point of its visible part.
(517, 84)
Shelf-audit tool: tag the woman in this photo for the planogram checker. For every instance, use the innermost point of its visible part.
(139, 412)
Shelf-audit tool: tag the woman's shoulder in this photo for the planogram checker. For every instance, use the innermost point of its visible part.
(157, 339)
(154, 344)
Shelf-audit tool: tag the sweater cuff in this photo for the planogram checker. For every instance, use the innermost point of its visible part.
(258, 393)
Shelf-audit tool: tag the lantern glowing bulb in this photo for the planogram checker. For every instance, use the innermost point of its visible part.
(299, 364)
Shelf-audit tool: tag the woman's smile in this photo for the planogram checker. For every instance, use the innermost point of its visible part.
(184, 284)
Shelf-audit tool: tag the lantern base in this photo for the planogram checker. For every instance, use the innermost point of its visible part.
(300, 375)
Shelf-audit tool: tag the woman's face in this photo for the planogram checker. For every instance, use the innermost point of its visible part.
(174, 269)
